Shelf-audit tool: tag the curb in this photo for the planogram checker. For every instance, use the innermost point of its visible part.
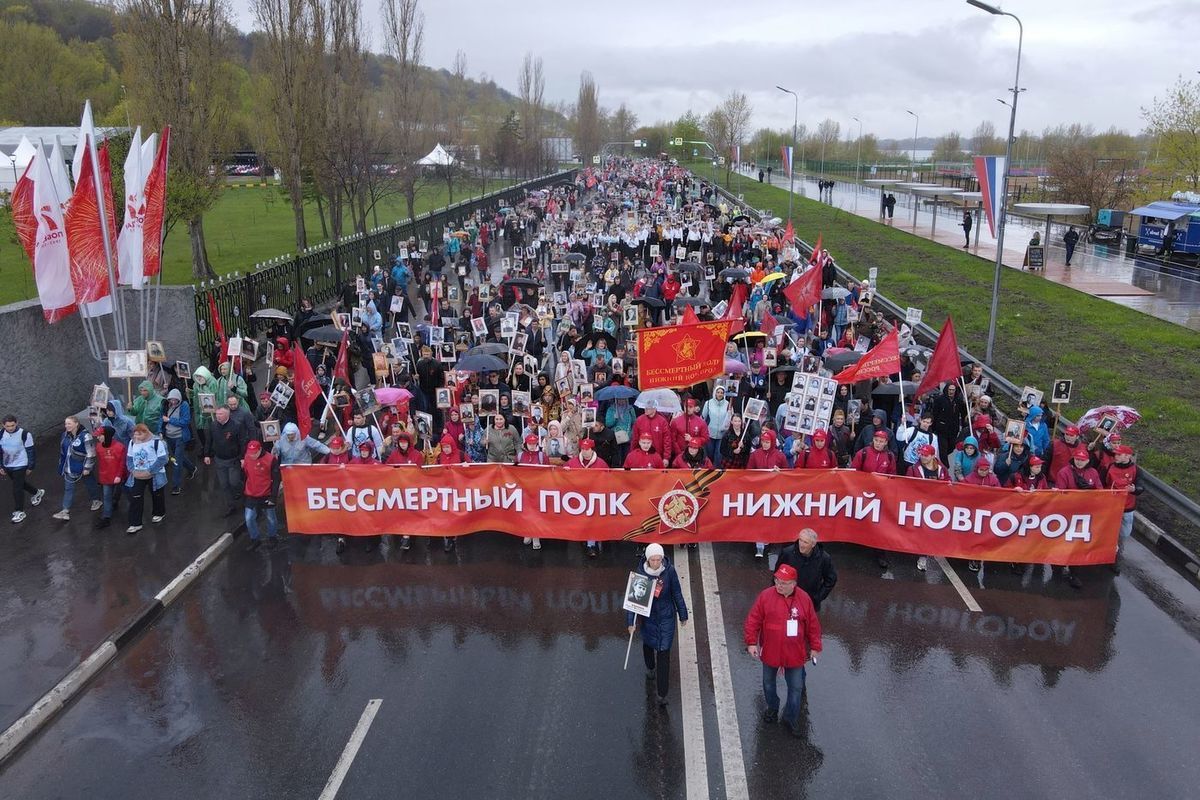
(1166, 546)
(45, 709)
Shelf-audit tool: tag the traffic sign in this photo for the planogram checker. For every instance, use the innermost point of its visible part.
(637, 142)
(678, 141)
(596, 159)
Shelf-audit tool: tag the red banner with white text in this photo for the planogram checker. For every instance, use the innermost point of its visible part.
(681, 355)
(678, 506)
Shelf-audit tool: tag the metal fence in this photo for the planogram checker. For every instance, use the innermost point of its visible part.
(318, 273)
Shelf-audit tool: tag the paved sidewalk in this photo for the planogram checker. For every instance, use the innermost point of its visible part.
(1169, 293)
(65, 585)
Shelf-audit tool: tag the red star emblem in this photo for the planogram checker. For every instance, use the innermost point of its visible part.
(678, 510)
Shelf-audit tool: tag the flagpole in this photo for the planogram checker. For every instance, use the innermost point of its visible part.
(120, 332)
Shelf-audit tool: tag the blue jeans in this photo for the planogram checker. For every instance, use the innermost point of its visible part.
(794, 678)
(88, 480)
(182, 463)
(252, 521)
(110, 494)
(1126, 530)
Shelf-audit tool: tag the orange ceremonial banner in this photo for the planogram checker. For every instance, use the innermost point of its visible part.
(681, 355)
(679, 506)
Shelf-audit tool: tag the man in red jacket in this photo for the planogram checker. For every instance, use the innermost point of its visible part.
(818, 455)
(586, 458)
(781, 630)
(644, 456)
(111, 470)
(877, 457)
(658, 428)
(1077, 474)
(1060, 454)
(767, 456)
(1122, 474)
(687, 426)
(262, 483)
(927, 468)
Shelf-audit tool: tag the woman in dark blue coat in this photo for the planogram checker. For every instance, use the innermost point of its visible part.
(658, 629)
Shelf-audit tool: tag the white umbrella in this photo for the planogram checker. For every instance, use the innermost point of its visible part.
(664, 400)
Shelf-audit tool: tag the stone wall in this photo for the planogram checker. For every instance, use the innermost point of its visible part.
(47, 371)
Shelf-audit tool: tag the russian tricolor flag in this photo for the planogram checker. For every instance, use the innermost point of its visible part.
(990, 171)
(786, 152)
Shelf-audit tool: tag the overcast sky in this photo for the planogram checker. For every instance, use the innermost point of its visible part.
(1089, 61)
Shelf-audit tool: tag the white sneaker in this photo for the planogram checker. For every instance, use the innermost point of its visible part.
(537, 544)
(922, 562)
(158, 519)
(527, 540)
(64, 514)
(97, 505)
(18, 516)
(36, 500)
(133, 529)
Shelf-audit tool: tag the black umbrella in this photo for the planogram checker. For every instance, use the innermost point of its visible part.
(734, 272)
(326, 333)
(272, 313)
(650, 302)
(788, 368)
(480, 363)
(688, 300)
(575, 258)
(311, 324)
(889, 389)
(839, 361)
(689, 266)
(741, 218)
(530, 282)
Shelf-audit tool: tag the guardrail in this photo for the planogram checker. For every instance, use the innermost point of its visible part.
(1182, 508)
(318, 273)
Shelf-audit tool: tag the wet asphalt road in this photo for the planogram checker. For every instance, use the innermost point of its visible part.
(500, 675)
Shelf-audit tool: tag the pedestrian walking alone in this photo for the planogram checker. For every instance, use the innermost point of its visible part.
(782, 631)
(1070, 239)
(967, 222)
(658, 629)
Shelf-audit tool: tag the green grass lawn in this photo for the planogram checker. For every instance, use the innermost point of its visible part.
(1045, 331)
(247, 225)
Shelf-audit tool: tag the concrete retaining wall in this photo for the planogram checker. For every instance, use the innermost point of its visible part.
(47, 372)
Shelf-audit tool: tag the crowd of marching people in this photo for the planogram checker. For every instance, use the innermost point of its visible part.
(445, 356)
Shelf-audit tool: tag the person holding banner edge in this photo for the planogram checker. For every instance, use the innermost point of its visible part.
(658, 629)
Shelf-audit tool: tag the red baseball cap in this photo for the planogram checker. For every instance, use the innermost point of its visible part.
(881, 433)
(253, 446)
(1124, 450)
(926, 450)
(1071, 430)
(531, 440)
(587, 444)
(820, 436)
(769, 436)
(1081, 453)
(785, 572)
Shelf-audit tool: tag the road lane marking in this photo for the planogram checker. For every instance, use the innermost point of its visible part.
(695, 761)
(351, 750)
(958, 584)
(732, 759)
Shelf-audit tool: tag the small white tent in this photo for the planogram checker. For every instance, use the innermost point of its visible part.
(438, 157)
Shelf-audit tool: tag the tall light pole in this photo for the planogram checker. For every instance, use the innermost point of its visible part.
(792, 171)
(857, 164)
(1002, 214)
(917, 125)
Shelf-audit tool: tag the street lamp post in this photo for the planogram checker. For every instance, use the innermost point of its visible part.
(792, 171)
(916, 125)
(857, 164)
(1002, 214)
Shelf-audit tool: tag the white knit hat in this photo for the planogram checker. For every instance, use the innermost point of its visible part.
(654, 549)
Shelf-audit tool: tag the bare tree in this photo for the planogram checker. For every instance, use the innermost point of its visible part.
(289, 43)
(949, 147)
(587, 118)
(404, 36)
(177, 73)
(1096, 171)
(454, 117)
(532, 91)
(728, 126)
(984, 141)
(623, 123)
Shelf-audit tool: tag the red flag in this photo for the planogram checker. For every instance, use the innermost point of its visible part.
(85, 236)
(768, 324)
(681, 355)
(882, 359)
(734, 311)
(307, 389)
(943, 364)
(24, 220)
(217, 326)
(341, 367)
(804, 292)
(789, 234)
(689, 316)
(816, 253)
(156, 209)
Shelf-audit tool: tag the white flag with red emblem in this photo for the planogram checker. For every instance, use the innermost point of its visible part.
(129, 241)
(51, 259)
